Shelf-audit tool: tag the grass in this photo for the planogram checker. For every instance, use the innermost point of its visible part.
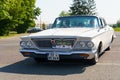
(117, 29)
(12, 34)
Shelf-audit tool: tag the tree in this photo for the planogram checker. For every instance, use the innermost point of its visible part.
(30, 14)
(43, 26)
(17, 14)
(37, 12)
(83, 7)
(118, 23)
(5, 17)
(64, 13)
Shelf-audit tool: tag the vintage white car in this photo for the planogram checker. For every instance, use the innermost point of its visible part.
(70, 37)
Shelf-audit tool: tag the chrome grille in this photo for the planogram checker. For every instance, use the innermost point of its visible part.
(53, 43)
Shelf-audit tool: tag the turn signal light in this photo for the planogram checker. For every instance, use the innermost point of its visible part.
(26, 53)
(84, 55)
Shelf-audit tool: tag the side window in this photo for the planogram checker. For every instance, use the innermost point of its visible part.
(102, 22)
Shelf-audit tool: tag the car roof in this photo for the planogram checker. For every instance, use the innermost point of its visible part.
(79, 16)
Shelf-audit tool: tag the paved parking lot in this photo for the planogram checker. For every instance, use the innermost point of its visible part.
(13, 66)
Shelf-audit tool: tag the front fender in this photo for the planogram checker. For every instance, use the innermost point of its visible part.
(96, 43)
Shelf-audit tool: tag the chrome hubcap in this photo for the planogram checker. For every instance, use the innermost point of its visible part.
(96, 57)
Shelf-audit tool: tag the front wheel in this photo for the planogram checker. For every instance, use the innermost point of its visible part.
(95, 59)
(108, 48)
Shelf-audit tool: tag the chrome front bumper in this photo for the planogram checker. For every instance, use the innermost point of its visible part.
(35, 53)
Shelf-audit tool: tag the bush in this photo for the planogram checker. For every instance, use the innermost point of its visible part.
(4, 27)
(21, 29)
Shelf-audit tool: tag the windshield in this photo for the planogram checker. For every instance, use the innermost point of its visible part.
(76, 21)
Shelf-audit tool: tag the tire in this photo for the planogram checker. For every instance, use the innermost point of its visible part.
(108, 48)
(95, 59)
(96, 56)
(37, 60)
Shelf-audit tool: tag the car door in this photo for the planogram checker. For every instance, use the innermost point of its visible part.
(105, 34)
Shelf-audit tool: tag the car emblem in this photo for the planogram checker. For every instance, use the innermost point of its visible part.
(53, 42)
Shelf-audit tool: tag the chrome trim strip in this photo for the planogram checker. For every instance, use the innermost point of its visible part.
(60, 52)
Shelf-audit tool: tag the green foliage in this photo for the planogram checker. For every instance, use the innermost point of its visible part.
(4, 28)
(64, 13)
(11, 34)
(5, 18)
(36, 12)
(18, 15)
(83, 7)
(117, 29)
(117, 25)
(43, 26)
(114, 25)
(27, 18)
(21, 28)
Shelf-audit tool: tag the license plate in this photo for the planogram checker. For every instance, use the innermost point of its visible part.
(53, 56)
(63, 46)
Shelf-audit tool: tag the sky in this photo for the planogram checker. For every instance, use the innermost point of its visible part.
(108, 9)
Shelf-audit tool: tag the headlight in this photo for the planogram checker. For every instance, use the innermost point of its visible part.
(23, 44)
(82, 44)
(26, 44)
(90, 44)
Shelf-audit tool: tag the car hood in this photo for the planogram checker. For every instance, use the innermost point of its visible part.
(65, 33)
